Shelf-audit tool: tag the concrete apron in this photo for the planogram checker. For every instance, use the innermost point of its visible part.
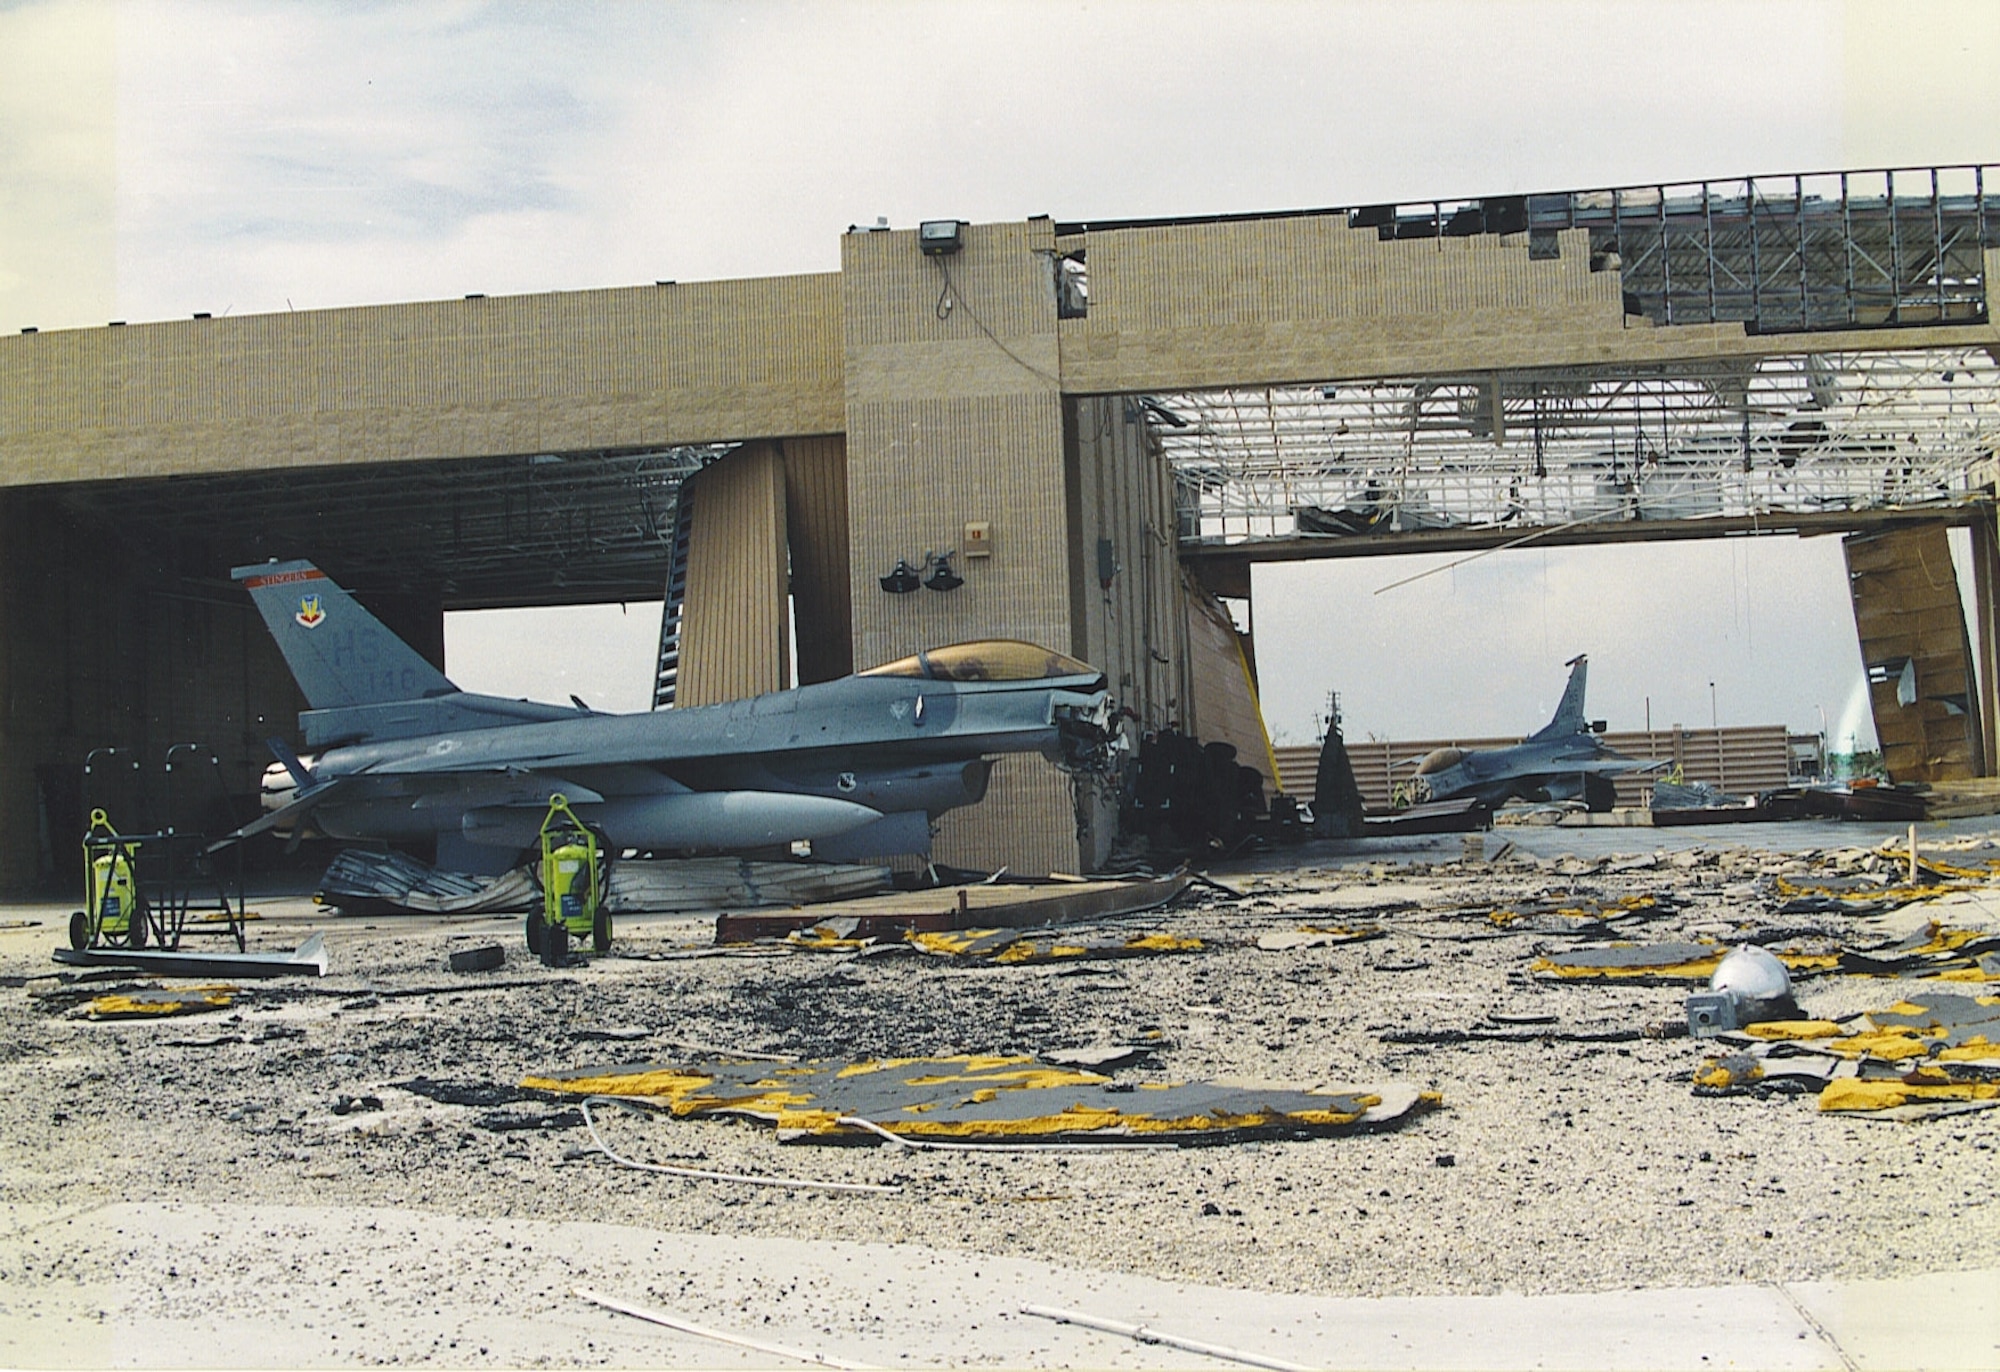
(187, 1285)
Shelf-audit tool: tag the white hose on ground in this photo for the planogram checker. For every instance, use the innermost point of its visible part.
(640, 1312)
(942, 1146)
(698, 1174)
(1143, 1334)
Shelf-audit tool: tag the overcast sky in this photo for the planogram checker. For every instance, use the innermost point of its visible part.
(162, 158)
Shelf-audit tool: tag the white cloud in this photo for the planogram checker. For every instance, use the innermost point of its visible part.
(335, 155)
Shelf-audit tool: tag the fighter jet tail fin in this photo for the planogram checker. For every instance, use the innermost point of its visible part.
(340, 654)
(1569, 714)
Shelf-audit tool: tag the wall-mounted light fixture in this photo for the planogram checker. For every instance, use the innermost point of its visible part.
(942, 577)
(940, 237)
(902, 579)
(934, 573)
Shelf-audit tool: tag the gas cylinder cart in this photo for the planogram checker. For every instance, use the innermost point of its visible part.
(114, 910)
(575, 874)
(141, 888)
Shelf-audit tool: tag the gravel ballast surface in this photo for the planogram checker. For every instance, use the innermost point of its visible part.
(1569, 1154)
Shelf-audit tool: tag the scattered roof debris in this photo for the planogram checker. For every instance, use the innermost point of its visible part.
(1581, 915)
(979, 906)
(1044, 945)
(1655, 964)
(1930, 1050)
(155, 1004)
(1935, 951)
(1003, 1097)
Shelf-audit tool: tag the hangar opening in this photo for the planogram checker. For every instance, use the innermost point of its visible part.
(1889, 450)
(119, 590)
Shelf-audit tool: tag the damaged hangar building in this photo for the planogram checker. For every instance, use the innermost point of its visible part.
(1082, 435)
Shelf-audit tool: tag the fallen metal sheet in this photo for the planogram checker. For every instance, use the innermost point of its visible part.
(401, 882)
(1947, 954)
(148, 1004)
(1043, 945)
(1929, 1054)
(1543, 915)
(997, 1098)
(1462, 816)
(965, 907)
(1658, 963)
(731, 883)
(1106, 1055)
(309, 959)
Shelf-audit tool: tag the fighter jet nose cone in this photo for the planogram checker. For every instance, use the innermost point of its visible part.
(1438, 759)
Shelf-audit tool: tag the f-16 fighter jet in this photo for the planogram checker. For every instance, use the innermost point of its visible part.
(858, 766)
(1562, 760)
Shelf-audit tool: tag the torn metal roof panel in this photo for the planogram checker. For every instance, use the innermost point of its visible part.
(974, 1097)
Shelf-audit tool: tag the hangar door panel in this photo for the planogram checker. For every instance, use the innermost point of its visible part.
(1226, 709)
(734, 639)
(1918, 656)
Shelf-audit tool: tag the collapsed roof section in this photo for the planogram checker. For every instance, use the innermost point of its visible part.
(1800, 434)
(1816, 435)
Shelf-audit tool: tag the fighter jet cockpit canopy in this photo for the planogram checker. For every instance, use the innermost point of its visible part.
(993, 659)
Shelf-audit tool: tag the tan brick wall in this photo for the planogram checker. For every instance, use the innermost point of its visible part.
(566, 371)
(1309, 299)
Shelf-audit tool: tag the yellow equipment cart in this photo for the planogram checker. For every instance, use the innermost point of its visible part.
(574, 874)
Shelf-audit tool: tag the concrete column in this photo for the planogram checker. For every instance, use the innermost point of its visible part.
(954, 415)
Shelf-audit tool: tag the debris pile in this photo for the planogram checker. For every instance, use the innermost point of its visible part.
(1929, 1054)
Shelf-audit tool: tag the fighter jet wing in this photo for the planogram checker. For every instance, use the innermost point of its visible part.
(513, 786)
(287, 814)
(1616, 764)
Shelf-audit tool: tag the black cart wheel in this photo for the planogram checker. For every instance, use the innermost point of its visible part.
(135, 933)
(600, 931)
(79, 931)
(555, 944)
(535, 934)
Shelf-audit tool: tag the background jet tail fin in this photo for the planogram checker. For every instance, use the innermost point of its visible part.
(338, 652)
(1569, 714)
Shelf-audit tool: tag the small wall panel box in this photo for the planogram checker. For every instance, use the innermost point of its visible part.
(978, 541)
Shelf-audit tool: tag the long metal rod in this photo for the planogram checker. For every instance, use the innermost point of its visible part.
(1146, 1334)
(1512, 543)
(700, 1174)
(661, 1317)
(1847, 245)
(940, 1145)
(1805, 271)
(1937, 238)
